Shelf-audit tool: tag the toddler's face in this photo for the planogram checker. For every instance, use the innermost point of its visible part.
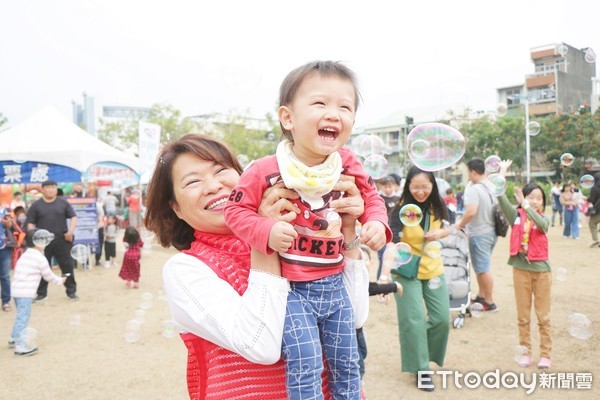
(320, 117)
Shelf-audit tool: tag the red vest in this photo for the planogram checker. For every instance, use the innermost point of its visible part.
(537, 248)
(215, 373)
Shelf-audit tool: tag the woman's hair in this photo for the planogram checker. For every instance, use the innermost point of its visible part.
(160, 217)
(530, 187)
(434, 200)
(294, 79)
(29, 237)
(566, 185)
(18, 210)
(131, 235)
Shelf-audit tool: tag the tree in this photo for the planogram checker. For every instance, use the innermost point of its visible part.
(124, 133)
(254, 143)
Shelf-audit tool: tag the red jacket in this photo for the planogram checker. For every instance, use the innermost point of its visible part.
(538, 241)
(317, 252)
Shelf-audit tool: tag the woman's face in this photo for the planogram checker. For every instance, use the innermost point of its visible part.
(420, 187)
(201, 190)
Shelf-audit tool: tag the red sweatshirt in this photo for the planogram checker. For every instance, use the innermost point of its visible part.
(317, 252)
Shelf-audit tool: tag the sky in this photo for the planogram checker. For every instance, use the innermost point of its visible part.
(231, 56)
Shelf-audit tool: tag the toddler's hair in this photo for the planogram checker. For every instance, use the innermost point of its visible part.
(131, 236)
(294, 79)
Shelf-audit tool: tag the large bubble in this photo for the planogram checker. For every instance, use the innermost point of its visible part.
(562, 50)
(376, 165)
(168, 328)
(501, 109)
(411, 215)
(434, 146)
(402, 253)
(580, 326)
(434, 283)
(368, 145)
(42, 238)
(590, 56)
(433, 249)
(80, 253)
(492, 163)
(586, 181)
(534, 128)
(132, 331)
(497, 184)
(567, 159)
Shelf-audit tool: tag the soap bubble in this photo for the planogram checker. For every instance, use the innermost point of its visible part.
(368, 145)
(402, 253)
(567, 159)
(411, 215)
(28, 337)
(434, 283)
(42, 238)
(80, 253)
(520, 351)
(146, 304)
(75, 320)
(586, 181)
(376, 166)
(534, 128)
(561, 274)
(476, 310)
(139, 315)
(132, 331)
(562, 50)
(435, 146)
(501, 109)
(498, 184)
(433, 249)
(590, 56)
(147, 296)
(492, 163)
(243, 160)
(580, 326)
(168, 329)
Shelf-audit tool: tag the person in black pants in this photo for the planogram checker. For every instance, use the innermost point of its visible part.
(51, 213)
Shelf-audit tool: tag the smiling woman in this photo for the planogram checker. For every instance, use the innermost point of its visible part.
(232, 314)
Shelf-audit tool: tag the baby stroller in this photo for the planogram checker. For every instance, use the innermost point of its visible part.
(455, 256)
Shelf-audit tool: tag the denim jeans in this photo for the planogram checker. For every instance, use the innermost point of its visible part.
(571, 222)
(23, 305)
(481, 248)
(319, 322)
(5, 261)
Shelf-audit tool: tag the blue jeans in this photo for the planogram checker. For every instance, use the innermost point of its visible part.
(23, 305)
(481, 248)
(5, 261)
(319, 322)
(571, 222)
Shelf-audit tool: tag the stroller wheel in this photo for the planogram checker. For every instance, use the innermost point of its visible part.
(458, 322)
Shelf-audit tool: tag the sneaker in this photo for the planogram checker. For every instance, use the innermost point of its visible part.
(544, 363)
(11, 343)
(477, 299)
(488, 307)
(26, 352)
(595, 244)
(524, 361)
(73, 296)
(40, 298)
(6, 307)
(136, 285)
(107, 264)
(97, 263)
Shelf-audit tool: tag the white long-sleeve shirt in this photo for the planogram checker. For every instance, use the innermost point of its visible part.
(250, 325)
(30, 268)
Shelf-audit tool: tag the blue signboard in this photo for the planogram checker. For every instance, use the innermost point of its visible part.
(36, 172)
(86, 231)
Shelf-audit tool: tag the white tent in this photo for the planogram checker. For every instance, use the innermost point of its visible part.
(49, 137)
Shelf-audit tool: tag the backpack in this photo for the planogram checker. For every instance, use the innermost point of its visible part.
(500, 223)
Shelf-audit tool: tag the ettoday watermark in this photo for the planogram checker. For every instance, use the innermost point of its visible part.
(497, 379)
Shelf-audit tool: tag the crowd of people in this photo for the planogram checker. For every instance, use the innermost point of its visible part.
(271, 285)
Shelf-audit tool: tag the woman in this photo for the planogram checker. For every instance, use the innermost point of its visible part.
(423, 336)
(571, 210)
(233, 315)
(594, 201)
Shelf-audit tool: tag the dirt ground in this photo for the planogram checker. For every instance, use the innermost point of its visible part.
(91, 359)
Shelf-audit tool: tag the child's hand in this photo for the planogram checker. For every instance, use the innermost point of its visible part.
(519, 195)
(504, 165)
(400, 289)
(282, 236)
(373, 235)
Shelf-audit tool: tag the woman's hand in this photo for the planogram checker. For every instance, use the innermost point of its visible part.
(351, 206)
(437, 234)
(276, 203)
